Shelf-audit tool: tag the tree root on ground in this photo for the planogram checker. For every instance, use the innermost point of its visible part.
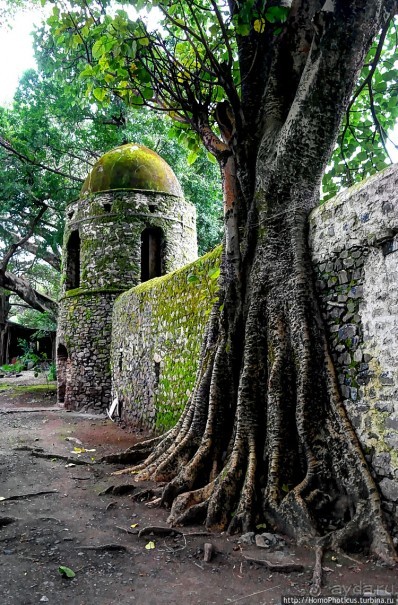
(277, 567)
(68, 459)
(30, 495)
(119, 490)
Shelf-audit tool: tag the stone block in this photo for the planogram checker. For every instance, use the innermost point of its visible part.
(389, 489)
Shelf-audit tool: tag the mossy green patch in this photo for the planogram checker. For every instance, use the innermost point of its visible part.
(158, 329)
(131, 167)
(87, 292)
(33, 388)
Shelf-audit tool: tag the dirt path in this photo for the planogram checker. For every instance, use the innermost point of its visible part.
(75, 526)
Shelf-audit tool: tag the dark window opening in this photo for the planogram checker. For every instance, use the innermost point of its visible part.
(62, 361)
(73, 261)
(151, 207)
(151, 257)
(157, 374)
(107, 207)
(390, 246)
(62, 352)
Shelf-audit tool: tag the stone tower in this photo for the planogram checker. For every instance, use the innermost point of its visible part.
(130, 224)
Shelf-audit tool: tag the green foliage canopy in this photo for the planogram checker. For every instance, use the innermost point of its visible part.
(188, 65)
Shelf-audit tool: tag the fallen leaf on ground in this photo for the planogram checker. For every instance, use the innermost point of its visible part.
(150, 545)
(66, 571)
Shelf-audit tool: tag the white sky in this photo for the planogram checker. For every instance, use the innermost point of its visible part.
(16, 51)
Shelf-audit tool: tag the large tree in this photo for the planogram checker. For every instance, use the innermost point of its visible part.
(264, 85)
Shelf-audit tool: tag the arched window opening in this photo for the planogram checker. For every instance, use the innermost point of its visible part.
(151, 253)
(73, 261)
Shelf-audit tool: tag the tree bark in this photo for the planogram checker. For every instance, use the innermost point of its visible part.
(4, 332)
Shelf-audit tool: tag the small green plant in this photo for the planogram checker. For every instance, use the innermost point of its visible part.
(28, 357)
(52, 372)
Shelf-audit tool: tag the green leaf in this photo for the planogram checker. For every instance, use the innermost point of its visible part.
(99, 93)
(192, 278)
(192, 157)
(259, 25)
(277, 14)
(243, 29)
(66, 572)
(87, 71)
(148, 93)
(214, 273)
(98, 49)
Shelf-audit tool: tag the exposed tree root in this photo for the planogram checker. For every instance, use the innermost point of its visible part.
(277, 567)
(156, 530)
(317, 574)
(119, 490)
(132, 455)
(69, 459)
(143, 495)
(105, 547)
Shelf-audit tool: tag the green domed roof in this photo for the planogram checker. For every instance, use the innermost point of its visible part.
(131, 167)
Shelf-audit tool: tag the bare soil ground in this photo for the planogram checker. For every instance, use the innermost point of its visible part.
(76, 526)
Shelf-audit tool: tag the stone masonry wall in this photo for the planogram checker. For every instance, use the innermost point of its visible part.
(107, 253)
(355, 252)
(158, 329)
(85, 322)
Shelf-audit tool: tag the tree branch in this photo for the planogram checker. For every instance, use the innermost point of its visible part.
(24, 290)
(14, 247)
(48, 257)
(8, 147)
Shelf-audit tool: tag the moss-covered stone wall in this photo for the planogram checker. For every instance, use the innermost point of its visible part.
(106, 255)
(158, 329)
